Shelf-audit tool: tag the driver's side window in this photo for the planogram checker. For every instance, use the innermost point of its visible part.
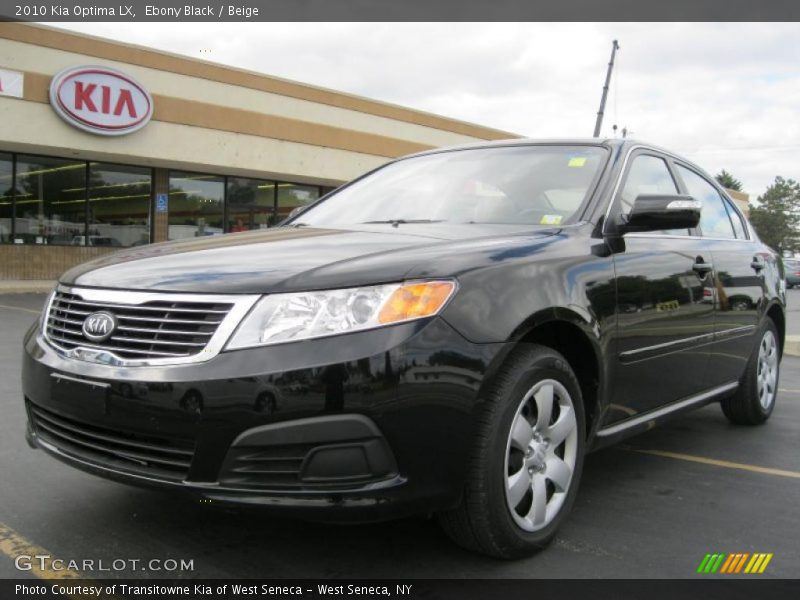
(648, 175)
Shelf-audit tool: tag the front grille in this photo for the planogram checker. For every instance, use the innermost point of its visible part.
(162, 457)
(153, 329)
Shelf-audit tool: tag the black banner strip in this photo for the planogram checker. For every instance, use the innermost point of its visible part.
(399, 10)
(722, 588)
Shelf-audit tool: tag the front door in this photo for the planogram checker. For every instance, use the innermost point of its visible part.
(665, 303)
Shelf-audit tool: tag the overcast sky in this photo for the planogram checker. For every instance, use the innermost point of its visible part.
(724, 95)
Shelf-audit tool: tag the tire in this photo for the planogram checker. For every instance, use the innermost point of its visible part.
(754, 399)
(497, 515)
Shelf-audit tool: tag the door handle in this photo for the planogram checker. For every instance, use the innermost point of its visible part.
(701, 267)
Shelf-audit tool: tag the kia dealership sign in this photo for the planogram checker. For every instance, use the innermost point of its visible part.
(100, 100)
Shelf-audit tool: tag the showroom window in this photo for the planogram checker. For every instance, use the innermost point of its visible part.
(6, 197)
(251, 204)
(119, 205)
(56, 201)
(195, 205)
(291, 196)
(50, 206)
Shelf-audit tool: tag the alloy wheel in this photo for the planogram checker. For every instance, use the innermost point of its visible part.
(541, 453)
(767, 375)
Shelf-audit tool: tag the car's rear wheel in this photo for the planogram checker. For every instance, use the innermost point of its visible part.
(527, 460)
(754, 399)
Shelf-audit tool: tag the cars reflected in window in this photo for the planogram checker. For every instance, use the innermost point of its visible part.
(6, 197)
(251, 204)
(195, 205)
(119, 206)
(292, 197)
(50, 205)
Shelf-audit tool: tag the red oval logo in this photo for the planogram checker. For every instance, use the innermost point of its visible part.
(100, 100)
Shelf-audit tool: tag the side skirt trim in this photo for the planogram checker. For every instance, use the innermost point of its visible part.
(659, 413)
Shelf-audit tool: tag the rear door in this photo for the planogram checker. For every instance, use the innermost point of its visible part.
(665, 312)
(739, 292)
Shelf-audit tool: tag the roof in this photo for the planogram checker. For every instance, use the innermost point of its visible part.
(608, 142)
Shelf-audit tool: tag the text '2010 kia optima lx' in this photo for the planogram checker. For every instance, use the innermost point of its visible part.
(448, 334)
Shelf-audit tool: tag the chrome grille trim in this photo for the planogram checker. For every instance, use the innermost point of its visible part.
(142, 340)
(175, 331)
(150, 308)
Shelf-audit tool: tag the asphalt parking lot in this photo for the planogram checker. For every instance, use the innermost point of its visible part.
(652, 507)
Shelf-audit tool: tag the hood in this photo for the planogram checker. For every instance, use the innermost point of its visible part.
(280, 259)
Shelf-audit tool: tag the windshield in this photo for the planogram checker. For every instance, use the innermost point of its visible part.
(533, 185)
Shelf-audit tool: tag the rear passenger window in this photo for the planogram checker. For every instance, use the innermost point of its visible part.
(648, 175)
(736, 219)
(714, 219)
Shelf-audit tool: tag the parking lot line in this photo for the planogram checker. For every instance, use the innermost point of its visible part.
(715, 462)
(787, 391)
(14, 545)
(29, 310)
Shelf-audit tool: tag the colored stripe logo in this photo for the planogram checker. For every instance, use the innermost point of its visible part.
(742, 562)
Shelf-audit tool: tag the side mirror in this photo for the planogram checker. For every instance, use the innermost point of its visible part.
(656, 212)
(295, 211)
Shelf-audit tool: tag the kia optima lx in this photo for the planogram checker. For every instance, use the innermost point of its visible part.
(448, 334)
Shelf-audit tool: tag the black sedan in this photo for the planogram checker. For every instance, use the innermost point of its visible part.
(448, 334)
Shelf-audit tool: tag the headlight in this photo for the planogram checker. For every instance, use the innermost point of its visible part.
(291, 317)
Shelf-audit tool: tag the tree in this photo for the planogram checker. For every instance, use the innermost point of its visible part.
(728, 181)
(776, 218)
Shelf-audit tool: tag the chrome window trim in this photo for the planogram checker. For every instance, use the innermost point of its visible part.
(750, 236)
(242, 303)
(748, 229)
(684, 237)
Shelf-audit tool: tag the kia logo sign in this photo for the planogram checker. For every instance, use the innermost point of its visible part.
(99, 326)
(100, 100)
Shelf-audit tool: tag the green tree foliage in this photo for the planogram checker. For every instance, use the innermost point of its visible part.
(776, 218)
(727, 180)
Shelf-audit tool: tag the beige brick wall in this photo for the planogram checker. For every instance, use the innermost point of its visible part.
(43, 262)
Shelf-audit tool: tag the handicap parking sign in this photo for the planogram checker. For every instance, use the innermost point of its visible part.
(162, 204)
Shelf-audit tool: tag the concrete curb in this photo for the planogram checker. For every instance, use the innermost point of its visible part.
(792, 345)
(32, 286)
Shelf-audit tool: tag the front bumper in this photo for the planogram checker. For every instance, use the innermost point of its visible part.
(367, 426)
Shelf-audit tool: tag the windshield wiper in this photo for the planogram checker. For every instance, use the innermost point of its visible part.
(396, 222)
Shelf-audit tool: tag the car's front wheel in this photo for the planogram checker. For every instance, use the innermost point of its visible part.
(754, 399)
(527, 460)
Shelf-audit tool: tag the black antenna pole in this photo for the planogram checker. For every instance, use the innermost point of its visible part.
(599, 123)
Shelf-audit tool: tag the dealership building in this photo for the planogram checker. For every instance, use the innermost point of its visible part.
(106, 145)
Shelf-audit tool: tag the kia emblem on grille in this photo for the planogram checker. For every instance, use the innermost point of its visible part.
(99, 326)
